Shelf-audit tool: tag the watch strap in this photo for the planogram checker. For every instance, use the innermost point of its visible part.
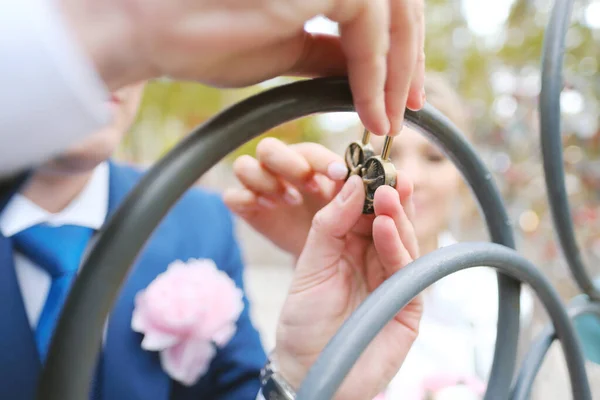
(273, 385)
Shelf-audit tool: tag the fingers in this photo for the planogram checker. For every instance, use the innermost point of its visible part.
(405, 189)
(393, 233)
(326, 239)
(241, 201)
(280, 170)
(417, 96)
(300, 163)
(402, 60)
(322, 160)
(365, 40)
(381, 49)
(382, 42)
(390, 249)
(249, 171)
(264, 184)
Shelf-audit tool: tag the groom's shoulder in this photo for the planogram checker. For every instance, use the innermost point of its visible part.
(198, 205)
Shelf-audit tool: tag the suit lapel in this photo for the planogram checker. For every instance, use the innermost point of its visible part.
(128, 371)
(19, 361)
(9, 186)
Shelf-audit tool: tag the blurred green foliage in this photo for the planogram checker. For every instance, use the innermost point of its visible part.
(468, 60)
(171, 109)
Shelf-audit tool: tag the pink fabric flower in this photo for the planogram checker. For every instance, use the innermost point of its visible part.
(452, 386)
(184, 313)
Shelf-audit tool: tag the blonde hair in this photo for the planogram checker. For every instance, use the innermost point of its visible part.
(444, 97)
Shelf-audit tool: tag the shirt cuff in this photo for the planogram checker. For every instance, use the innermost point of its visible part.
(52, 96)
(260, 396)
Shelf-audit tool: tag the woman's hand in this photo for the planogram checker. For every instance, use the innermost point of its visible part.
(283, 188)
(241, 42)
(348, 255)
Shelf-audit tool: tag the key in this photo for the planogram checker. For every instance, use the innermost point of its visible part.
(377, 171)
(357, 153)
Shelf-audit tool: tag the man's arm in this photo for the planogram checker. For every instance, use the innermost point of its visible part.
(52, 96)
(56, 63)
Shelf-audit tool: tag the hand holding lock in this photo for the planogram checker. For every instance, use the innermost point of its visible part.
(374, 170)
(343, 254)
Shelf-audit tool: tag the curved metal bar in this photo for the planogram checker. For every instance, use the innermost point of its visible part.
(76, 341)
(442, 131)
(77, 338)
(536, 354)
(388, 299)
(551, 143)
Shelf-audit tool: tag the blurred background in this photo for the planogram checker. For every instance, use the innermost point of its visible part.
(490, 51)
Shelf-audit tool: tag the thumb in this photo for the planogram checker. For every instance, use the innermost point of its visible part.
(327, 236)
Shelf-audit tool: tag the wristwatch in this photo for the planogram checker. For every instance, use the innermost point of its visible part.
(273, 385)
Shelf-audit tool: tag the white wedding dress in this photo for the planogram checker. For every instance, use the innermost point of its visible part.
(458, 330)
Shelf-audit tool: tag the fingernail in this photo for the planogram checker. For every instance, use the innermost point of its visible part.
(423, 97)
(387, 126)
(312, 185)
(348, 189)
(292, 196)
(267, 203)
(337, 170)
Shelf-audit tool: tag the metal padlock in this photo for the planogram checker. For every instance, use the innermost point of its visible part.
(377, 171)
(357, 153)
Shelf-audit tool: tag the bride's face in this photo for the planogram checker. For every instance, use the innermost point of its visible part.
(99, 146)
(437, 182)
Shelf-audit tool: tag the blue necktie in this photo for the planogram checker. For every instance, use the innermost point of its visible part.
(59, 251)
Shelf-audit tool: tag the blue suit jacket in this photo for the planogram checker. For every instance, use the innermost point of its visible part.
(199, 226)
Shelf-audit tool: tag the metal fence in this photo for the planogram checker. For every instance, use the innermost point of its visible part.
(76, 343)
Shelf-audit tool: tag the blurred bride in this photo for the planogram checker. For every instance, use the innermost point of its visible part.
(454, 350)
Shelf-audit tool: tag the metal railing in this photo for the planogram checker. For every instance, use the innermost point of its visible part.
(77, 340)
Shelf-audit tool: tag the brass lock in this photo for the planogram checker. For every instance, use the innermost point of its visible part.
(357, 153)
(374, 170)
(378, 171)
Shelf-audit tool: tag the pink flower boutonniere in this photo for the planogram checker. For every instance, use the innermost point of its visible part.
(453, 387)
(184, 313)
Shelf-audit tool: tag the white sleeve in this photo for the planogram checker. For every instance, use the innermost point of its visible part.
(260, 396)
(51, 93)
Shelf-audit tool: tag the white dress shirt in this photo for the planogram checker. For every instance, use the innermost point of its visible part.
(51, 95)
(457, 332)
(89, 209)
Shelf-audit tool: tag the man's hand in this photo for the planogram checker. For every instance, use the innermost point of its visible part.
(283, 188)
(234, 43)
(347, 256)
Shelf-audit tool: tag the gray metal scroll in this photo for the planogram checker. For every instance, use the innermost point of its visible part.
(358, 331)
(550, 128)
(442, 131)
(77, 338)
(539, 348)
